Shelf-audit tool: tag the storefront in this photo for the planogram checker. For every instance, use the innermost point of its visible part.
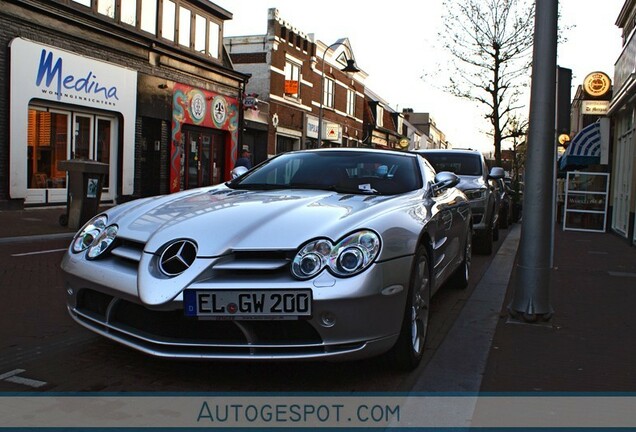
(204, 137)
(67, 106)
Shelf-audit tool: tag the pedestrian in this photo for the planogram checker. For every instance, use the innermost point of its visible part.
(244, 160)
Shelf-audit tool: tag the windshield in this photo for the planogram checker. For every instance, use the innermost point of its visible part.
(351, 172)
(458, 163)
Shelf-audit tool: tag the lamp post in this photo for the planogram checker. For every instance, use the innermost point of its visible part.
(350, 68)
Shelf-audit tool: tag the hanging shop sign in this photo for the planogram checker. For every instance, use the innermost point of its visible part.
(597, 84)
(595, 107)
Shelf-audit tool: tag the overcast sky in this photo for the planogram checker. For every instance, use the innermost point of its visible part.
(396, 42)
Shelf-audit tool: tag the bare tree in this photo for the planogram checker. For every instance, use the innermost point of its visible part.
(490, 47)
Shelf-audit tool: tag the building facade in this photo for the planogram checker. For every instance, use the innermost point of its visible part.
(435, 138)
(286, 68)
(622, 109)
(142, 85)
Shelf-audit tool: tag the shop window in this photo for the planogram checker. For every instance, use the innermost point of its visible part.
(328, 93)
(129, 12)
(200, 28)
(214, 39)
(149, 16)
(185, 16)
(168, 20)
(47, 143)
(106, 7)
(292, 79)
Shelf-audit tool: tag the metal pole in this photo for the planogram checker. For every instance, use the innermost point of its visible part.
(531, 279)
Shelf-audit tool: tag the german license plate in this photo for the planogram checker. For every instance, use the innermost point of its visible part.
(252, 304)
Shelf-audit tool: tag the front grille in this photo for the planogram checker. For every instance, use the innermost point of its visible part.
(171, 333)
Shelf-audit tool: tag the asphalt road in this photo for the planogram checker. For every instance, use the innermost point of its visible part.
(42, 349)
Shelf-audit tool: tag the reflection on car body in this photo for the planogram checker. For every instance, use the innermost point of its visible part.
(470, 166)
(329, 253)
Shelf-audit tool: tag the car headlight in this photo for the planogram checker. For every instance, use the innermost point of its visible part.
(350, 256)
(476, 194)
(102, 242)
(85, 238)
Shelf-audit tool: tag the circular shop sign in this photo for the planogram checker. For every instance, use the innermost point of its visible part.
(597, 84)
(197, 106)
(219, 110)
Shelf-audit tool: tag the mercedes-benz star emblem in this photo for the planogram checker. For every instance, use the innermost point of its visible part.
(177, 257)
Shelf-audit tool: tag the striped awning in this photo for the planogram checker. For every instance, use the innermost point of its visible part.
(585, 148)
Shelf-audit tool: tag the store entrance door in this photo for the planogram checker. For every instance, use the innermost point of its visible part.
(205, 157)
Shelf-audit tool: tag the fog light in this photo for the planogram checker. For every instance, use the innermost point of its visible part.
(69, 291)
(328, 319)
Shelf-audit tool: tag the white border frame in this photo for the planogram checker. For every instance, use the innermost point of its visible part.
(604, 194)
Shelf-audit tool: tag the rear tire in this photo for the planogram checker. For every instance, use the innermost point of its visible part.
(407, 352)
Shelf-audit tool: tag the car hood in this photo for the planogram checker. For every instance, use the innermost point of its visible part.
(220, 219)
(470, 182)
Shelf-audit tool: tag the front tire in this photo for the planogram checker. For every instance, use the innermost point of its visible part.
(409, 348)
(462, 274)
(484, 242)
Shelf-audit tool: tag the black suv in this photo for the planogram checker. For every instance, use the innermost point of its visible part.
(470, 166)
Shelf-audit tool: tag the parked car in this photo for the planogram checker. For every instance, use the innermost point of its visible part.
(471, 168)
(319, 254)
(505, 203)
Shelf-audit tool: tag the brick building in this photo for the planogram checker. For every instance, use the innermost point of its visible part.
(384, 126)
(142, 85)
(286, 67)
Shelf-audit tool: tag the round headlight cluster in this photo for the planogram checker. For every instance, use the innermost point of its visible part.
(348, 257)
(102, 242)
(89, 233)
(95, 236)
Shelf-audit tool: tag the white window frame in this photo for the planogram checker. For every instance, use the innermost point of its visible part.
(328, 94)
(292, 73)
(351, 102)
(379, 120)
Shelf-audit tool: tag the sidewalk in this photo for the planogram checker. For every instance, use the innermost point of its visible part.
(589, 345)
(37, 222)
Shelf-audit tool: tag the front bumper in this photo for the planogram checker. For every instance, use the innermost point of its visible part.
(366, 311)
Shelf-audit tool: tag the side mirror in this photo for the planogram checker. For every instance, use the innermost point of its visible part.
(445, 180)
(497, 173)
(238, 171)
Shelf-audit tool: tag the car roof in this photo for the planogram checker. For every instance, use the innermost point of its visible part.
(450, 151)
(356, 150)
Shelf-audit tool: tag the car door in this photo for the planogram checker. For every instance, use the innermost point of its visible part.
(445, 219)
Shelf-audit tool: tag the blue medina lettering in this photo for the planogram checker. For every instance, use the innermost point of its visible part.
(89, 85)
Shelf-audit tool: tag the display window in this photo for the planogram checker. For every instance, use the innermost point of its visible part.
(55, 135)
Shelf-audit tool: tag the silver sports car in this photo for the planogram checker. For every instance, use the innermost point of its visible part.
(318, 254)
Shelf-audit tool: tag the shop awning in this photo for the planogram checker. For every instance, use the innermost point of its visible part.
(585, 148)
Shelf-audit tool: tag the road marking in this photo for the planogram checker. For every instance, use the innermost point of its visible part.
(14, 378)
(38, 252)
(10, 374)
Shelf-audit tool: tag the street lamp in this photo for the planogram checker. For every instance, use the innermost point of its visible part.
(350, 68)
